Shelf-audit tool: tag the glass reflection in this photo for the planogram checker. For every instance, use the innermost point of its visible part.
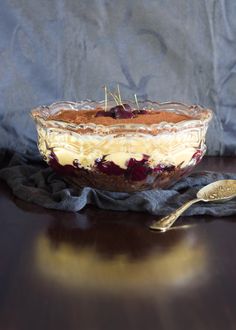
(116, 257)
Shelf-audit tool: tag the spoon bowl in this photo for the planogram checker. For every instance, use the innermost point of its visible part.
(218, 191)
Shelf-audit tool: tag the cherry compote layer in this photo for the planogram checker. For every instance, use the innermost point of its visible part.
(137, 170)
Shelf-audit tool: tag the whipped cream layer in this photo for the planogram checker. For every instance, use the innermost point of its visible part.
(168, 149)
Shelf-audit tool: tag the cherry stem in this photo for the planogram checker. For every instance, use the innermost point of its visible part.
(105, 90)
(119, 95)
(136, 100)
(116, 98)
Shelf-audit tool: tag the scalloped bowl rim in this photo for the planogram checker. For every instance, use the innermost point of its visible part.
(200, 115)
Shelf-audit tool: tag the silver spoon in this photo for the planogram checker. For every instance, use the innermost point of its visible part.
(217, 191)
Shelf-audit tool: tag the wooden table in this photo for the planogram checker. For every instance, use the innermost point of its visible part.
(105, 270)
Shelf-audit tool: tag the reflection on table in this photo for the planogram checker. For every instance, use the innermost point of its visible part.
(91, 259)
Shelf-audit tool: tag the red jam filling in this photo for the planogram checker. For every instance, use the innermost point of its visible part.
(137, 170)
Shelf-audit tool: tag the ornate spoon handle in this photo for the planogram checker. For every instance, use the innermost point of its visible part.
(166, 222)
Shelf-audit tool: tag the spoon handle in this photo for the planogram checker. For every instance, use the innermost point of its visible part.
(166, 222)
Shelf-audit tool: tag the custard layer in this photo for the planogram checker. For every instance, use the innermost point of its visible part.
(169, 149)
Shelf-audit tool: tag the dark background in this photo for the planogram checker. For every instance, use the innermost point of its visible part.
(160, 49)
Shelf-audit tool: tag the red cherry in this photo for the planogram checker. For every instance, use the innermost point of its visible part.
(103, 113)
(109, 168)
(127, 107)
(61, 169)
(138, 170)
(118, 112)
(139, 112)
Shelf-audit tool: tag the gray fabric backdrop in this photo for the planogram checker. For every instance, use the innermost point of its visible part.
(160, 49)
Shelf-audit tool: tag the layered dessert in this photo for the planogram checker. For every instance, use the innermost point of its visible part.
(122, 147)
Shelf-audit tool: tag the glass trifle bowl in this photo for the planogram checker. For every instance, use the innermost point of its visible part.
(130, 147)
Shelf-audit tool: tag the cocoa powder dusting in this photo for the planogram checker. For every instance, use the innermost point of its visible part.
(88, 116)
